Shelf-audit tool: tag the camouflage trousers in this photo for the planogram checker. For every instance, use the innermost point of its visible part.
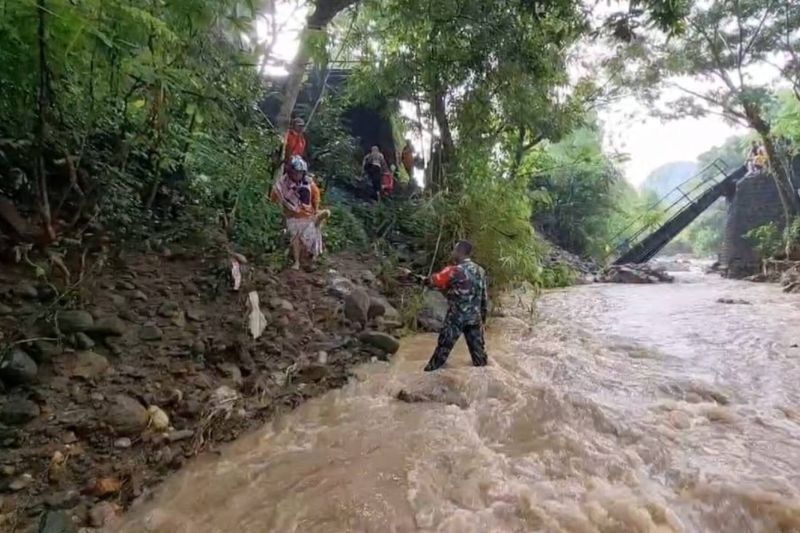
(449, 334)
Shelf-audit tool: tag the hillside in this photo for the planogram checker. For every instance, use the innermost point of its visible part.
(668, 176)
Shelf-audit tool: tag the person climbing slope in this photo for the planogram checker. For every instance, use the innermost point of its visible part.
(374, 166)
(464, 284)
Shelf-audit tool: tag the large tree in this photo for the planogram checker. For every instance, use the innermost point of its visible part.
(730, 47)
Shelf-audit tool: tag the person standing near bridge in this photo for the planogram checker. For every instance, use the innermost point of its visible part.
(464, 284)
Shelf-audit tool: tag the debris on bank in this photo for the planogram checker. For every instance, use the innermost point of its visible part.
(634, 273)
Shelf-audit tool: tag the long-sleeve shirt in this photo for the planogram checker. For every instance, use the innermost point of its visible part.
(464, 284)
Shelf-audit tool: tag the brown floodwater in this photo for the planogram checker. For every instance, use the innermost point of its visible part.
(606, 408)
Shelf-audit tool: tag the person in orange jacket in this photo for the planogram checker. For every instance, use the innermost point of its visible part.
(464, 284)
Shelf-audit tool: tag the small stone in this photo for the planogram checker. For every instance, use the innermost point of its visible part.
(368, 276)
(5, 310)
(7, 470)
(97, 397)
(322, 358)
(109, 326)
(104, 514)
(139, 295)
(312, 373)
(679, 420)
(69, 438)
(126, 415)
(280, 305)
(198, 347)
(125, 284)
(150, 332)
(190, 288)
(21, 483)
(27, 291)
(379, 340)
(17, 368)
(18, 411)
(179, 319)
(57, 522)
(356, 306)
(86, 365)
(83, 341)
(179, 435)
(117, 300)
(340, 287)
(122, 443)
(168, 308)
(233, 373)
(74, 321)
(195, 315)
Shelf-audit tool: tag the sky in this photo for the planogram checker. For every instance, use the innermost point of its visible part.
(650, 142)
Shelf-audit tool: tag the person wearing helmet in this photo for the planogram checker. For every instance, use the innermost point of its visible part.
(299, 197)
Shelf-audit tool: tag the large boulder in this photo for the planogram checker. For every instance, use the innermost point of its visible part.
(382, 341)
(126, 415)
(380, 306)
(356, 306)
(18, 411)
(434, 309)
(74, 321)
(17, 368)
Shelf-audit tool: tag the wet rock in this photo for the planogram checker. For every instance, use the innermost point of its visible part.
(27, 291)
(434, 309)
(123, 443)
(356, 306)
(83, 341)
(382, 341)
(117, 300)
(439, 393)
(104, 514)
(281, 306)
(139, 295)
(380, 307)
(5, 310)
(340, 287)
(150, 332)
(126, 415)
(56, 522)
(733, 301)
(109, 326)
(43, 351)
(179, 435)
(195, 315)
(16, 368)
(168, 308)
(63, 500)
(125, 284)
(179, 319)
(74, 321)
(87, 365)
(312, 373)
(20, 483)
(18, 412)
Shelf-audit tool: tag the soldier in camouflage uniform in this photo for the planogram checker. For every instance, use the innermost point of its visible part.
(464, 283)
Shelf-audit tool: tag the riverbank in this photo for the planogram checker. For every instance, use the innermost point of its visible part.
(154, 364)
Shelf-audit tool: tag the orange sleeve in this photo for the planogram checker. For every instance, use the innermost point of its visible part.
(315, 196)
(441, 280)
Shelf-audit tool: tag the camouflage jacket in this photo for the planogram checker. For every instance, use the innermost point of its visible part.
(464, 285)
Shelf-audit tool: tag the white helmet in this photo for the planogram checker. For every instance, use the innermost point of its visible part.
(298, 164)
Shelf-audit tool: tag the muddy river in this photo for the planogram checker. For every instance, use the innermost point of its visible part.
(606, 408)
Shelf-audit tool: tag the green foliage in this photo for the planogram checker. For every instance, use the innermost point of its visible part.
(766, 240)
(344, 230)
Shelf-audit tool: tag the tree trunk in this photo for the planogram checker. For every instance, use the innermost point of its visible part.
(446, 148)
(43, 106)
(324, 12)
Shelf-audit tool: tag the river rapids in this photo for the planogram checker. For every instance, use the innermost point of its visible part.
(605, 408)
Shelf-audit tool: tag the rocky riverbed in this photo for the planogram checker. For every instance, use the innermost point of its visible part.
(111, 387)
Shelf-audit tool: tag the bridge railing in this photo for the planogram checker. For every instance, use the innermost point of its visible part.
(667, 207)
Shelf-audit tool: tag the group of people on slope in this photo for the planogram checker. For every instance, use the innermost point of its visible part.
(463, 281)
(380, 174)
(757, 158)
